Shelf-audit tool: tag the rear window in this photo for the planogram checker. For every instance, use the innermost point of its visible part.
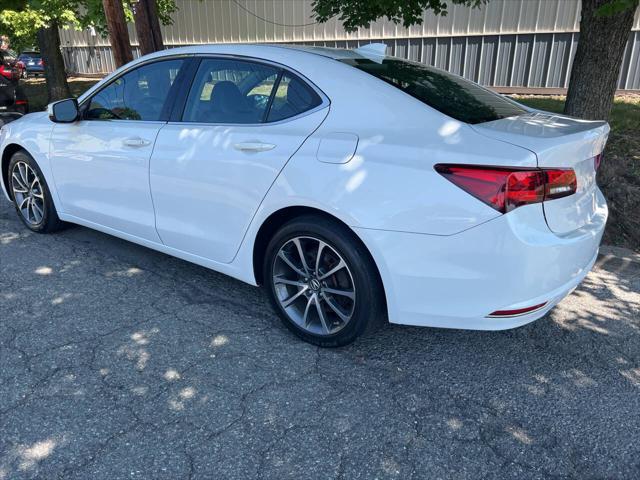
(452, 95)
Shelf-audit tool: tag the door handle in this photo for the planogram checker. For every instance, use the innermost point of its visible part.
(135, 142)
(254, 146)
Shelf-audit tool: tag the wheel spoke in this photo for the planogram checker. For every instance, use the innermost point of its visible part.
(305, 317)
(296, 242)
(294, 297)
(286, 281)
(344, 317)
(24, 172)
(286, 260)
(323, 319)
(38, 212)
(321, 246)
(24, 203)
(338, 267)
(18, 180)
(343, 293)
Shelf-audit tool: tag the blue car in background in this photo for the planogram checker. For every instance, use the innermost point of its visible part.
(33, 63)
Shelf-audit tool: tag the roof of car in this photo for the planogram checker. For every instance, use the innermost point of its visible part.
(335, 53)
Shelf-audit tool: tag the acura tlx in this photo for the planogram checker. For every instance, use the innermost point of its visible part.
(356, 187)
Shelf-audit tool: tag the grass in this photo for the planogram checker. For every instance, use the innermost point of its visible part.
(619, 176)
(36, 90)
(625, 115)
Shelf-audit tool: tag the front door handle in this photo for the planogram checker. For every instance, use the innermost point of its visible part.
(254, 146)
(135, 142)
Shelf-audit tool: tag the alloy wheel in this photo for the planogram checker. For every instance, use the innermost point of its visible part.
(28, 193)
(314, 285)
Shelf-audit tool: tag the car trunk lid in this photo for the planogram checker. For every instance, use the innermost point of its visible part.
(558, 142)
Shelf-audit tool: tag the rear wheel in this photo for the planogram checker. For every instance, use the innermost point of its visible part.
(322, 282)
(31, 195)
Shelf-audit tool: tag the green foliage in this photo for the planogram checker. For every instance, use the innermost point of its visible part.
(21, 19)
(360, 13)
(92, 13)
(613, 7)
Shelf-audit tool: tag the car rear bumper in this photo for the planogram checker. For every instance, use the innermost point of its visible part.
(508, 263)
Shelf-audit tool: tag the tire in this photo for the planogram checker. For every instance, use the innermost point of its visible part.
(326, 310)
(31, 195)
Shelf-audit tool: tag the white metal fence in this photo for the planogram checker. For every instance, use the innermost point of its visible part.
(509, 43)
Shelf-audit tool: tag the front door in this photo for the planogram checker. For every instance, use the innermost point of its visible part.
(101, 163)
(242, 122)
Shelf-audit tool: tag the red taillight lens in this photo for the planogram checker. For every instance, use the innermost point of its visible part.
(560, 183)
(507, 188)
(41, 63)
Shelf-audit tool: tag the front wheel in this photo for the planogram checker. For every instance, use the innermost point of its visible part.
(322, 281)
(31, 195)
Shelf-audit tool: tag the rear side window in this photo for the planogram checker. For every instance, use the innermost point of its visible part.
(229, 91)
(454, 96)
(292, 98)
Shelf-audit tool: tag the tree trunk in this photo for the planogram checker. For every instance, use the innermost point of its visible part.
(596, 66)
(49, 43)
(155, 24)
(118, 33)
(147, 26)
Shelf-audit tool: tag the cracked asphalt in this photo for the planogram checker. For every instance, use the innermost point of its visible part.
(120, 362)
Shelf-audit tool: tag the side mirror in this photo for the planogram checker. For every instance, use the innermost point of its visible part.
(64, 111)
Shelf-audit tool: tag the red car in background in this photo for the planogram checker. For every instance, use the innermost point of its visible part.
(10, 67)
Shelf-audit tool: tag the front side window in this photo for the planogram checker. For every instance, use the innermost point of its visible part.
(452, 95)
(137, 95)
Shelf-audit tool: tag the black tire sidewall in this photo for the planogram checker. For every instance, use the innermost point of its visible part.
(50, 220)
(368, 290)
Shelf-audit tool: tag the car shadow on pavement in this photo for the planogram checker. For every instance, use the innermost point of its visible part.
(121, 362)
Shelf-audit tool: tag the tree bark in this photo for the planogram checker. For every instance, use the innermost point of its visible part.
(118, 33)
(596, 66)
(145, 14)
(54, 71)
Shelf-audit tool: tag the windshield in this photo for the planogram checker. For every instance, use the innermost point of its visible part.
(450, 94)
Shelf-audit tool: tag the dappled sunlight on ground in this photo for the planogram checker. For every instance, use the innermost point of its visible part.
(119, 362)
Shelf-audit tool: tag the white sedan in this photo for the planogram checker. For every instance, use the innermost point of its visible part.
(354, 186)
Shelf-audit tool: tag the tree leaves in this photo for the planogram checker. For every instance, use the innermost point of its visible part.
(360, 13)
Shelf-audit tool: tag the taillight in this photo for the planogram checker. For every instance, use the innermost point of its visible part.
(41, 62)
(560, 183)
(507, 188)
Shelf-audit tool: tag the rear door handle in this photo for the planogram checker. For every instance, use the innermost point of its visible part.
(254, 146)
(135, 142)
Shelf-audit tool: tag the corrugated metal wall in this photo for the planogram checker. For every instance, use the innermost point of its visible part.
(508, 43)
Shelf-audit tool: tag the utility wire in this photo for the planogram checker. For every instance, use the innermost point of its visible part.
(271, 21)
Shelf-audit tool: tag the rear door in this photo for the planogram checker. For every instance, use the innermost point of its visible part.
(559, 142)
(213, 164)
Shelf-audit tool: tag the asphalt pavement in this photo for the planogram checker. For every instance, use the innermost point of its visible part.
(118, 362)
